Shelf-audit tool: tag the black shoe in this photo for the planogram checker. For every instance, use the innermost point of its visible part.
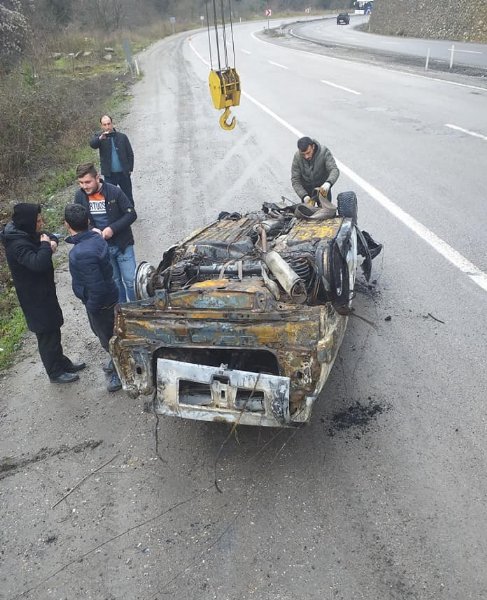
(75, 367)
(64, 378)
(115, 384)
(109, 368)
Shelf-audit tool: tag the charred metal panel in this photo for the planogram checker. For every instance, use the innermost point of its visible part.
(212, 393)
(225, 295)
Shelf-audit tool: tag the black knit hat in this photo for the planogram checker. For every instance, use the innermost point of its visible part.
(25, 216)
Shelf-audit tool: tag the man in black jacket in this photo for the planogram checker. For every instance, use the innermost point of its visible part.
(116, 156)
(92, 279)
(112, 213)
(29, 256)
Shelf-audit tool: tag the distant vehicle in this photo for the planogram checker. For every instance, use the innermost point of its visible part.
(343, 19)
(363, 7)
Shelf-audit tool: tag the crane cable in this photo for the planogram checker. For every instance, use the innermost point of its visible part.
(224, 83)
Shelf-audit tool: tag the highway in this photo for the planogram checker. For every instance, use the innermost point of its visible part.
(326, 31)
(383, 495)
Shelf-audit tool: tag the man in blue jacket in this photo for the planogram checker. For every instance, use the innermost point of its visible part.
(92, 275)
(112, 213)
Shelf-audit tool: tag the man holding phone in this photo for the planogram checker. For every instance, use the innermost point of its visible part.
(116, 156)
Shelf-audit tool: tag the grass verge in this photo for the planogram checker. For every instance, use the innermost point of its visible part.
(12, 328)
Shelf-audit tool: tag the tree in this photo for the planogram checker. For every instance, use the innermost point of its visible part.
(107, 15)
(14, 33)
(61, 10)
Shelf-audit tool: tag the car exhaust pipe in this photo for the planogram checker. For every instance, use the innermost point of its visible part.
(289, 279)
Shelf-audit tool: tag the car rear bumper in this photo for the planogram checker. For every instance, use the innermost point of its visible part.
(208, 393)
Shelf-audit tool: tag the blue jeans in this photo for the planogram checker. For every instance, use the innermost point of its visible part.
(123, 264)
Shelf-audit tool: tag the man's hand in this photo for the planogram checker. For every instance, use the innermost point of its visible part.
(103, 136)
(107, 233)
(325, 188)
(53, 246)
(45, 238)
(307, 200)
(97, 230)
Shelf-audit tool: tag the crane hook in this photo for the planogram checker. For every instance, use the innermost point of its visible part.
(223, 120)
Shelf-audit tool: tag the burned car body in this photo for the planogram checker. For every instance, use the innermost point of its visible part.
(241, 322)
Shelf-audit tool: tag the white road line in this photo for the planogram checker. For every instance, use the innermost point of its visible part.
(245, 51)
(277, 64)
(323, 56)
(341, 87)
(464, 51)
(472, 133)
(203, 60)
(464, 85)
(444, 249)
(252, 35)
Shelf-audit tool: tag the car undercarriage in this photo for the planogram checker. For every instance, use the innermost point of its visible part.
(241, 322)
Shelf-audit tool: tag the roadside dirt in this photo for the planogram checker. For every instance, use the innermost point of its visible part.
(102, 501)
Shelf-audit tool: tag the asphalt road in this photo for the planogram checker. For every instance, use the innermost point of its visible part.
(383, 495)
(326, 31)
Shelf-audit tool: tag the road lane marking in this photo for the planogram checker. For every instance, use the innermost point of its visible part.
(467, 131)
(341, 87)
(252, 35)
(323, 56)
(464, 51)
(203, 60)
(465, 85)
(277, 64)
(448, 252)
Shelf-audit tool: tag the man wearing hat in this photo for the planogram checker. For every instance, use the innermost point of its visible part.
(29, 256)
(313, 172)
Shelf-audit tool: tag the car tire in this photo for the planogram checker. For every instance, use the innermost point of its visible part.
(347, 206)
(340, 282)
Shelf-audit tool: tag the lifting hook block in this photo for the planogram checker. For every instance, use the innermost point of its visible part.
(228, 126)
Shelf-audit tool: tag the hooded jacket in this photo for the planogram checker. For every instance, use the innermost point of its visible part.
(30, 263)
(306, 175)
(91, 271)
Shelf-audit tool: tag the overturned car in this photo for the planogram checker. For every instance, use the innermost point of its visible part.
(241, 322)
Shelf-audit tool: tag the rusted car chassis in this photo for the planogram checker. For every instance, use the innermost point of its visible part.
(242, 321)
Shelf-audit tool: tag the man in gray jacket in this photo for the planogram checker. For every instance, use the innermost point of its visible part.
(313, 172)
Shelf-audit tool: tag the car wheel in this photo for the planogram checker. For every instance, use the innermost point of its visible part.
(347, 206)
(340, 282)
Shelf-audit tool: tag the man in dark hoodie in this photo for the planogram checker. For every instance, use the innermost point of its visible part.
(29, 256)
(92, 274)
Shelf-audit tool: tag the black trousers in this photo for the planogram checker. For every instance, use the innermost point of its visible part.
(124, 182)
(51, 352)
(101, 323)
